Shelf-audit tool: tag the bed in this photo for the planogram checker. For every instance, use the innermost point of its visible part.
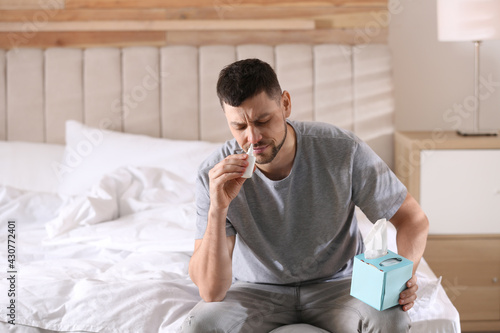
(99, 153)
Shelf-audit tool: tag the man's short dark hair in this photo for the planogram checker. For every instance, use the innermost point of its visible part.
(245, 79)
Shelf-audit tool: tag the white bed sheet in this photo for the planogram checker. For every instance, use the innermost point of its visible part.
(126, 270)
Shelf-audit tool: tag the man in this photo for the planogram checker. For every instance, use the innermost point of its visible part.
(288, 235)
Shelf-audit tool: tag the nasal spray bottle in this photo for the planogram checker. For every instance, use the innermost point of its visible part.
(251, 163)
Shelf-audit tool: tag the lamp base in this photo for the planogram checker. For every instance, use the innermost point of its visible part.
(478, 133)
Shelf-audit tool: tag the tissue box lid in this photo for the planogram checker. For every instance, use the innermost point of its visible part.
(390, 262)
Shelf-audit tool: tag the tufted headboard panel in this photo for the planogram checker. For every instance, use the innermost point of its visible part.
(170, 91)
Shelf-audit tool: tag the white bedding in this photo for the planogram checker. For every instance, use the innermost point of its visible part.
(116, 259)
(126, 274)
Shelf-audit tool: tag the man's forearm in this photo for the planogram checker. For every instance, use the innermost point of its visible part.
(210, 267)
(412, 228)
(411, 239)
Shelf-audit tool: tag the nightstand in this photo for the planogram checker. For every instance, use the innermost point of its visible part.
(457, 182)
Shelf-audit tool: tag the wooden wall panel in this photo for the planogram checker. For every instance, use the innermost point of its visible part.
(87, 23)
(341, 16)
(20, 15)
(214, 4)
(349, 15)
(11, 40)
(229, 37)
(32, 4)
(163, 25)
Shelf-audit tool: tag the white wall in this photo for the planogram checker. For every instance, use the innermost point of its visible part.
(433, 80)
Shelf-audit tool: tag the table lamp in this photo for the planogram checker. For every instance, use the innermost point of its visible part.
(470, 20)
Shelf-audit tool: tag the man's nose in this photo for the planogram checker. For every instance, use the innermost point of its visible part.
(253, 134)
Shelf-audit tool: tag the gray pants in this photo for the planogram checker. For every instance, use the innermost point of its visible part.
(256, 308)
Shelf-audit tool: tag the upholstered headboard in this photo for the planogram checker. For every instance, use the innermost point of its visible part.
(170, 91)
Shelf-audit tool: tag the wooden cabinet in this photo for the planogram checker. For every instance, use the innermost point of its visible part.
(470, 267)
(457, 182)
(460, 190)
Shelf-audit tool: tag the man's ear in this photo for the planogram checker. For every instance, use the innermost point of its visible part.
(286, 103)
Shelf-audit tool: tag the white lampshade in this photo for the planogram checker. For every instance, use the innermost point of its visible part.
(468, 20)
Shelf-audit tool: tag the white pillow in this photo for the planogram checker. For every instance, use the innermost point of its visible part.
(125, 191)
(28, 165)
(91, 152)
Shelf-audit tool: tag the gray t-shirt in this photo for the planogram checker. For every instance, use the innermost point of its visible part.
(303, 229)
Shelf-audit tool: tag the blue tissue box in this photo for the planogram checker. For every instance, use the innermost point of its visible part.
(378, 282)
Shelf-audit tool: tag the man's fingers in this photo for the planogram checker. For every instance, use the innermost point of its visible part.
(407, 297)
(408, 306)
(226, 170)
(404, 299)
(407, 293)
(232, 166)
(225, 179)
(412, 282)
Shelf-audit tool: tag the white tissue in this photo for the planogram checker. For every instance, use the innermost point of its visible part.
(376, 240)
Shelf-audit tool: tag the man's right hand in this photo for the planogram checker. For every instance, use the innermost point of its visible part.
(210, 266)
(226, 181)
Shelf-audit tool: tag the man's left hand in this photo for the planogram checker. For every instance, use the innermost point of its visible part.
(407, 297)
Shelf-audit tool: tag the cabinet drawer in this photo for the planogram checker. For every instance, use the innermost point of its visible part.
(464, 248)
(460, 190)
(473, 262)
(475, 303)
(469, 274)
(470, 268)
